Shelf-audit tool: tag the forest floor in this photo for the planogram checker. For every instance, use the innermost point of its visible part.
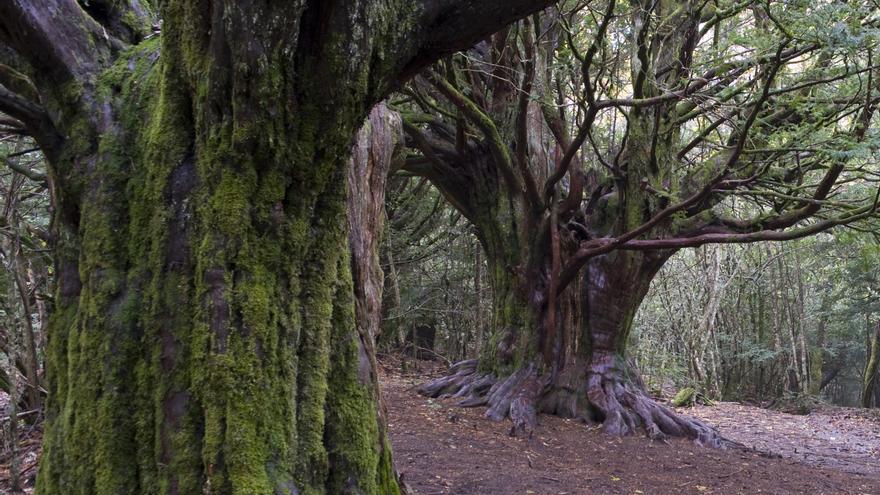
(28, 448)
(444, 449)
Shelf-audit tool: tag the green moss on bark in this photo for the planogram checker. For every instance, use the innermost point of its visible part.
(212, 346)
(352, 405)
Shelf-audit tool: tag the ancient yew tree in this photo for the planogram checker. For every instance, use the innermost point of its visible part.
(588, 144)
(203, 336)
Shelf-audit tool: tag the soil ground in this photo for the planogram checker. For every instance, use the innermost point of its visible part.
(444, 449)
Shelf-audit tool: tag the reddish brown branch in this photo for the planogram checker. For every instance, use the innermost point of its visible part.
(598, 247)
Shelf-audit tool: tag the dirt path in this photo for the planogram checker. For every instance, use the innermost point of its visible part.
(846, 439)
(444, 449)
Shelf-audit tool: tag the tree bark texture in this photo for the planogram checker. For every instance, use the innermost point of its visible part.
(376, 146)
(204, 337)
(872, 369)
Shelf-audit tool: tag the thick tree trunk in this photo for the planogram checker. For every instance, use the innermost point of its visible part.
(205, 338)
(589, 375)
(376, 146)
(614, 287)
(509, 375)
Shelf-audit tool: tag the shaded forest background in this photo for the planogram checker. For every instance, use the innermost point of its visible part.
(753, 323)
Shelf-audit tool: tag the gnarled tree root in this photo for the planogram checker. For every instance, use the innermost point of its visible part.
(624, 408)
(621, 405)
(461, 381)
(515, 397)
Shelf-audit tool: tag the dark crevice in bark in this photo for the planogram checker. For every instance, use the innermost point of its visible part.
(127, 20)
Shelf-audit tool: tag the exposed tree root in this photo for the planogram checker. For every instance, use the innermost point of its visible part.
(600, 394)
(462, 381)
(515, 397)
(623, 407)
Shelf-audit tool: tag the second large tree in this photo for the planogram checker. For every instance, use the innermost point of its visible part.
(587, 146)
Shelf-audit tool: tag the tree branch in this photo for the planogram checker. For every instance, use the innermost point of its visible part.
(488, 128)
(25, 171)
(588, 249)
(761, 235)
(589, 92)
(35, 119)
(598, 247)
(522, 120)
(16, 106)
(57, 39)
(19, 83)
(447, 26)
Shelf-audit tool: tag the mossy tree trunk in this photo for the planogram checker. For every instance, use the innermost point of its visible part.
(579, 370)
(204, 336)
(872, 369)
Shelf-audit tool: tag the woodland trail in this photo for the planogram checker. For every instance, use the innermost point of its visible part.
(444, 449)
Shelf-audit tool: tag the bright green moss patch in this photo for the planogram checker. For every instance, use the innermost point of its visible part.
(685, 397)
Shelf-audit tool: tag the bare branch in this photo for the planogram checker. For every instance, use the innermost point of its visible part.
(19, 83)
(35, 119)
(25, 171)
(761, 235)
(499, 149)
(20, 108)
